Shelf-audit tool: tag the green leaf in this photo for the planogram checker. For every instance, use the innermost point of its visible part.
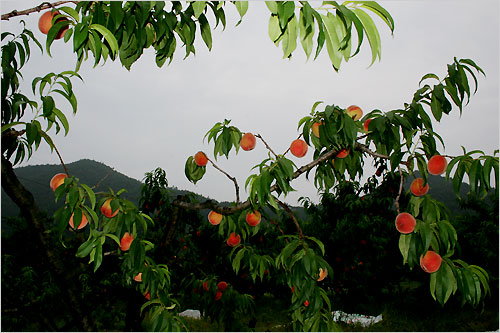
(242, 7)
(290, 37)
(198, 7)
(286, 10)
(404, 246)
(274, 28)
(206, 33)
(332, 24)
(90, 194)
(63, 119)
(272, 6)
(48, 105)
(371, 33)
(110, 38)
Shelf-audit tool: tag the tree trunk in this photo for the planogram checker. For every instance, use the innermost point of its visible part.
(29, 209)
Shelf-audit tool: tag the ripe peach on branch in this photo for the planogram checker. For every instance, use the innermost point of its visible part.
(214, 218)
(253, 218)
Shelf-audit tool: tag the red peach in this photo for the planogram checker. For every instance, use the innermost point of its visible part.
(222, 286)
(306, 303)
(405, 223)
(342, 153)
(233, 240)
(298, 148)
(138, 277)
(214, 218)
(430, 262)
(253, 218)
(106, 209)
(248, 142)
(354, 112)
(417, 187)
(57, 180)
(205, 286)
(126, 240)
(437, 165)
(45, 23)
(200, 159)
(366, 123)
(83, 222)
(218, 295)
(322, 274)
(315, 129)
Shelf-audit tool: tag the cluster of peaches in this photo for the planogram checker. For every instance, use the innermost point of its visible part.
(106, 210)
(405, 222)
(221, 287)
(252, 218)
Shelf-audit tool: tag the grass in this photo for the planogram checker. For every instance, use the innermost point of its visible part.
(411, 313)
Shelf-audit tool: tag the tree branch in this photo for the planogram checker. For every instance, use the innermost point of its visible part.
(230, 177)
(44, 5)
(267, 146)
(289, 211)
(400, 190)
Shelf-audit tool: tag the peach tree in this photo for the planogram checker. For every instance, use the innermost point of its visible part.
(342, 139)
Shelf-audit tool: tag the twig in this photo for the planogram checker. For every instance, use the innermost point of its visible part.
(230, 177)
(265, 144)
(100, 181)
(289, 211)
(400, 190)
(279, 228)
(44, 5)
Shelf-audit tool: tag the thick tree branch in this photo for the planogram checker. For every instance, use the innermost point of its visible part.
(30, 211)
(44, 5)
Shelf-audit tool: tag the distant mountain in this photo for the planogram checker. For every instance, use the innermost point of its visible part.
(37, 178)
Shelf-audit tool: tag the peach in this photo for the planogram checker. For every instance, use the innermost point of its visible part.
(147, 296)
(366, 123)
(45, 23)
(354, 112)
(83, 222)
(306, 303)
(233, 240)
(57, 180)
(405, 223)
(205, 286)
(417, 187)
(437, 165)
(253, 218)
(430, 262)
(248, 142)
(106, 209)
(322, 274)
(200, 159)
(222, 286)
(315, 129)
(138, 277)
(298, 148)
(342, 153)
(126, 240)
(214, 218)
(218, 295)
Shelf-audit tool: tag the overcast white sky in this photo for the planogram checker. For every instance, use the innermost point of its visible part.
(150, 117)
